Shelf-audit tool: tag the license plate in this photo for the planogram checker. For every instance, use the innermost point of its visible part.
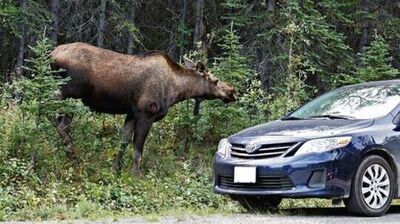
(244, 174)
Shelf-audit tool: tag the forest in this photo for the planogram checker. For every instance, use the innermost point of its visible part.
(277, 53)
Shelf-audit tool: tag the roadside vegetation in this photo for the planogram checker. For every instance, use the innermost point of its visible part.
(278, 54)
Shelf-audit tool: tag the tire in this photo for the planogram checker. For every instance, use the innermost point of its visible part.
(258, 203)
(372, 188)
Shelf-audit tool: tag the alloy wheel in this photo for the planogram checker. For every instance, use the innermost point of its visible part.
(375, 186)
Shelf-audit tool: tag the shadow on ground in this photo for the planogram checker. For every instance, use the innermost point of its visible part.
(337, 211)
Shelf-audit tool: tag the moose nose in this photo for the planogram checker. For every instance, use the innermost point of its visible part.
(235, 96)
(232, 97)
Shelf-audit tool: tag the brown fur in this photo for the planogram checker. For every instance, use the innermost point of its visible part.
(141, 86)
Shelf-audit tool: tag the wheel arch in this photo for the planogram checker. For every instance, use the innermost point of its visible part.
(385, 154)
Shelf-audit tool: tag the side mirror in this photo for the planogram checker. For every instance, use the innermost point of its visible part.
(396, 120)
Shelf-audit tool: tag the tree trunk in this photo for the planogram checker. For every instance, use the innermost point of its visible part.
(254, 4)
(364, 30)
(271, 5)
(364, 36)
(78, 11)
(55, 8)
(181, 50)
(102, 23)
(183, 21)
(184, 10)
(21, 44)
(199, 25)
(131, 20)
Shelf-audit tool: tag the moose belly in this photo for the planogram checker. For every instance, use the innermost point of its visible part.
(107, 104)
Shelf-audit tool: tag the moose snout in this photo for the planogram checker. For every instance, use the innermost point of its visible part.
(232, 97)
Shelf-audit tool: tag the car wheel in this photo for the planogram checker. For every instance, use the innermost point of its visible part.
(372, 188)
(258, 203)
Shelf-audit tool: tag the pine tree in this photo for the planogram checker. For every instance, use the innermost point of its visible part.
(376, 63)
(232, 66)
(40, 88)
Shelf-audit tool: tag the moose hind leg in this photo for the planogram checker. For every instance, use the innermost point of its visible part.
(127, 133)
(65, 121)
(142, 128)
(62, 124)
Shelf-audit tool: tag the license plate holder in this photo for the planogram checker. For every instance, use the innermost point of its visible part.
(244, 174)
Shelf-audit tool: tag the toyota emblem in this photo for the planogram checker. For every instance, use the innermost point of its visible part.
(250, 148)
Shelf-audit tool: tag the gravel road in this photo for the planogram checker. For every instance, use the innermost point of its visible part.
(306, 215)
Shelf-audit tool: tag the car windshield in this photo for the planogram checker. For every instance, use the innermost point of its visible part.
(353, 102)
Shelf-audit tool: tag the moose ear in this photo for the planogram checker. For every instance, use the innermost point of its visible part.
(189, 63)
(200, 67)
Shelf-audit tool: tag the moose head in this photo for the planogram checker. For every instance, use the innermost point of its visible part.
(217, 88)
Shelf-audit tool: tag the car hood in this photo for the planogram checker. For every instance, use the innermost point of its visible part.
(300, 129)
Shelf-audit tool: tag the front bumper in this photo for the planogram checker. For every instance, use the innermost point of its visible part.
(324, 175)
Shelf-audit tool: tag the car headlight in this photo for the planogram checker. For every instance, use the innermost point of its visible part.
(323, 145)
(223, 147)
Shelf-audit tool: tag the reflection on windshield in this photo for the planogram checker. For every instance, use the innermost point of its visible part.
(360, 102)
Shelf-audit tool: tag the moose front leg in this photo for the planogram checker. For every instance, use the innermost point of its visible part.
(127, 134)
(142, 128)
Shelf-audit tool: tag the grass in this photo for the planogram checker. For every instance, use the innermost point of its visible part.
(175, 180)
(90, 211)
(178, 182)
(65, 213)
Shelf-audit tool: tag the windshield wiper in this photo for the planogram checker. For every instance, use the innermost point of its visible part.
(332, 116)
(292, 118)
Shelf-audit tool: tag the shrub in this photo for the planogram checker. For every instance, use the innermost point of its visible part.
(376, 63)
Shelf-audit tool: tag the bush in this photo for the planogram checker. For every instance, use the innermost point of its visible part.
(376, 63)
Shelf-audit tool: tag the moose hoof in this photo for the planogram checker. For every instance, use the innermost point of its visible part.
(116, 167)
(137, 173)
(71, 153)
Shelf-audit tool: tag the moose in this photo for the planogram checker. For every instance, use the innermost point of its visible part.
(142, 87)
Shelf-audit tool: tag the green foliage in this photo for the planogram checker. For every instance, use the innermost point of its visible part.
(299, 30)
(286, 99)
(34, 18)
(30, 99)
(376, 63)
(134, 32)
(8, 14)
(39, 90)
(233, 68)
(315, 45)
(16, 182)
(234, 15)
(183, 34)
(36, 95)
(60, 188)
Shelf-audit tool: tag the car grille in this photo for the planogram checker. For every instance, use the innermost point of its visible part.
(265, 151)
(262, 183)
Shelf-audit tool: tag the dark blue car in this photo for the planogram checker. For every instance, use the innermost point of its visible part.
(343, 145)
